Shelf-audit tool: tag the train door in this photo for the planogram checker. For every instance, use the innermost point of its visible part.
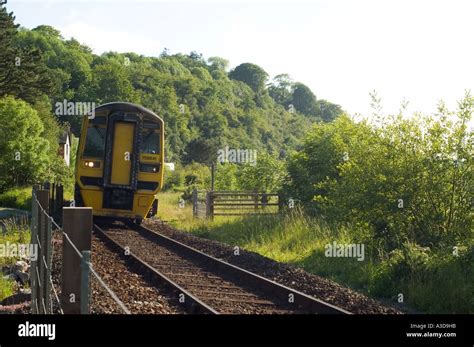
(120, 166)
(122, 153)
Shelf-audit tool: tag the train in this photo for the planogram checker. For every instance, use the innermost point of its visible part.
(119, 164)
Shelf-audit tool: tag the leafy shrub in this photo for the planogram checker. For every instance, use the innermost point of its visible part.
(409, 179)
(16, 198)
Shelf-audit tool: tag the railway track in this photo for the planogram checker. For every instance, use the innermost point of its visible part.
(205, 284)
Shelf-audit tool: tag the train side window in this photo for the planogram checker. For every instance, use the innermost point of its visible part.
(95, 142)
(150, 143)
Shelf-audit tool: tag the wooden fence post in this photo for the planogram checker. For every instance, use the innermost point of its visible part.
(195, 202)
(213, 176)
(77, 224)
(33, 241)
(43, 200)
(280, 203)
(46, 263)
(264, 200)
(210, 205)
(60, 196)
(256, 199)
(52, 201)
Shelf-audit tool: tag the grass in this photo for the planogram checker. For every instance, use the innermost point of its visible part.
(14, 233)
(169, 210)
(7, 288)
(432, 282)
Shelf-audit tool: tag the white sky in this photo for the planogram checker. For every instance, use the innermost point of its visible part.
(421, 51)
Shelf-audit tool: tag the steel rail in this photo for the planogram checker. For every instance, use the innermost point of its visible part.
(190, 301)
(301, 301)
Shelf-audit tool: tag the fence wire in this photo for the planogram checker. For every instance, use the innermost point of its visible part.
(34, 226)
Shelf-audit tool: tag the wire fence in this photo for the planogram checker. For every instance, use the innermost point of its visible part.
(74, 291)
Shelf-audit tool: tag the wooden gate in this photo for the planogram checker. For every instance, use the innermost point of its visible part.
(235, 203)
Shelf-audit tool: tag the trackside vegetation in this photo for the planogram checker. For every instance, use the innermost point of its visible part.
(400, 186)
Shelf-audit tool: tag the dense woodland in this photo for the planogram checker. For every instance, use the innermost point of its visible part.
(205, 106)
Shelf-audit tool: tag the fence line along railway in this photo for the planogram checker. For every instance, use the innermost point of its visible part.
(202, 283)
(76, 271)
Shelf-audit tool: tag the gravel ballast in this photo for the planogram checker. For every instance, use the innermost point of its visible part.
(291, 276)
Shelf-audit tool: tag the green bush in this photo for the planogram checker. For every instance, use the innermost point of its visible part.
(24, 153)
(16, 198)
(173, 179)
(409, 179)
(7, 287)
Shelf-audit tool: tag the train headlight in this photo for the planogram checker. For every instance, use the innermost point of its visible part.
(149, 168)
(92, 164)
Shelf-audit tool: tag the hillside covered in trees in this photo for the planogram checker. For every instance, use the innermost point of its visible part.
(205, 106)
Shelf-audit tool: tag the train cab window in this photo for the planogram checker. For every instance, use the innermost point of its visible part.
(98, 120)
(95, 142)
(150, 143)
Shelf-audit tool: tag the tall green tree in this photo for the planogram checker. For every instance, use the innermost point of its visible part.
(111, 83)
(281, 89)
(218, 63)
(252, 75)
(328, 110)
(22, 71)
(304, 100)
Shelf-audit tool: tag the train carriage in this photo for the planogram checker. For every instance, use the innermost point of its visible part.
(119, 168)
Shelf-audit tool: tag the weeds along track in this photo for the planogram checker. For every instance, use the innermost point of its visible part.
(202, 283)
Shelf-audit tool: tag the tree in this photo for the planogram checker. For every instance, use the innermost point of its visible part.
(24, 154)
(281, 89)
(22, 72)
(51, 128)
(323, 150)
(218, 63)
(266, 175)
(304, 100)
(252, 75)
(111, 83)
(69, 62)
(201, 150)
(328, 110)
(48, 30)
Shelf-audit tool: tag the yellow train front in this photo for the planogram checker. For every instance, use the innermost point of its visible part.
(119, 167)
